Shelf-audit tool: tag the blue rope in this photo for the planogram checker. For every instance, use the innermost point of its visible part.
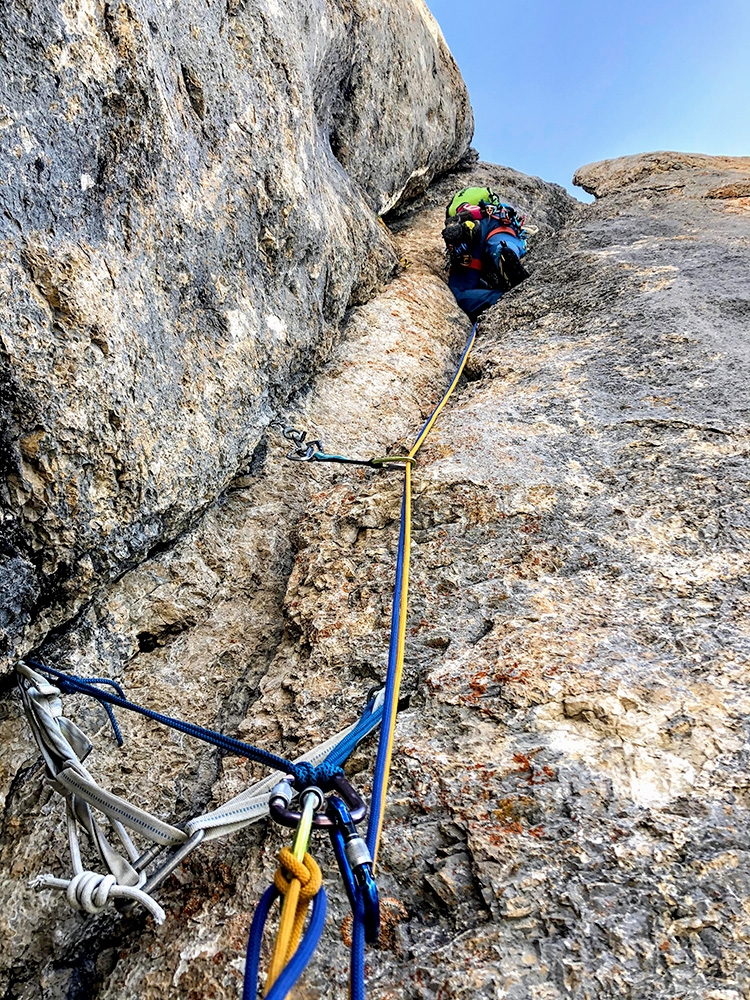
(357, 983)
(304, 774)
(297, 964)
(107, 708)
(370, 719)
(380, 760)
(357, 959)
(255, 940)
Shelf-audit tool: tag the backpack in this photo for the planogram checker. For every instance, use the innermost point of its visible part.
(506, 272)
(466, 247)
(477, 203)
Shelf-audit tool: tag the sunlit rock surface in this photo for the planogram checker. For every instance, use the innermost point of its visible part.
(188, 206)
(189, 209)
(568, 814)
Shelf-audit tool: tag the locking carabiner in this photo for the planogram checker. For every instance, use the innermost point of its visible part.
(283, 793)
(355, 864)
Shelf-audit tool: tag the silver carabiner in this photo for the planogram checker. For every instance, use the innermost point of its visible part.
(294, 434)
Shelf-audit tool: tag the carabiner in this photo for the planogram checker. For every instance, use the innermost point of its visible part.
(305, 450)
(165, 869)
(355, 864)
(293, 434)
(283, 793)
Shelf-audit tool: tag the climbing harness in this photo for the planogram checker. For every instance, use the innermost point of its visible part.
(326, 800)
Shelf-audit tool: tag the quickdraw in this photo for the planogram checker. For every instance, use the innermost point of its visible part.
(312, 451)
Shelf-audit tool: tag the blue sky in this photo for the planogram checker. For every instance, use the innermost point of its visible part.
(556, 84)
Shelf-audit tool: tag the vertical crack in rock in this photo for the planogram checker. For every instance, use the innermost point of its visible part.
(195, 90)
(180, 248)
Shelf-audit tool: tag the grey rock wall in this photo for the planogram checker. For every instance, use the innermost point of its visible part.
(602, 551)
(179, 246)
(569, 806)
(568, 816)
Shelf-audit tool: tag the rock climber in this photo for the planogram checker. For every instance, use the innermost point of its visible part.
(484, 239)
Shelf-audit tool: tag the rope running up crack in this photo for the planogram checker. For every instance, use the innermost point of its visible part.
(312, 451)
(394, 675)
(91, 891)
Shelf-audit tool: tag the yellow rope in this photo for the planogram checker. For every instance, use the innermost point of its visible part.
(302, 884)
(449, 392)
(401, 639)
(295, 862)
(303, 879)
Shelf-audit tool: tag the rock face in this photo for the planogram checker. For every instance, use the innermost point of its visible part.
(568, 815)
(189, 201)
(722, 177)
(239, 625)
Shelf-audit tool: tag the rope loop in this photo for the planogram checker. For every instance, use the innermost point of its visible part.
(294, 968)
(307, 873)
(73, 686)
(89, 891)
(302, 885)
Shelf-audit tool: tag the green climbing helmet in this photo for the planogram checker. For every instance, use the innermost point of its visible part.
(471, 196)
